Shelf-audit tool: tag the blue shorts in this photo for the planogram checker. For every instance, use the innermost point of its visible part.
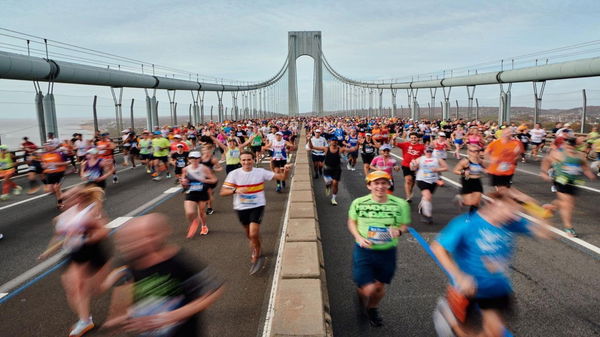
(458, 141)
(370, 265)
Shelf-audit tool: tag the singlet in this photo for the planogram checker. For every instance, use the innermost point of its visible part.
(351, 141)
(368, 148)
(104, 150)
(52, 159)
(71, 225)
(232, 156)
(475, 169)
(459, 134)
(208, 163)
(425, 172)
(568, 171)
(195, 177)
(93, 172)
(256, 140)
(332, 160)
(278, 148)
(6, 162)
(473, 139)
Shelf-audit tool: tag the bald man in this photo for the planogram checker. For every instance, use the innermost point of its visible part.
(158, 290)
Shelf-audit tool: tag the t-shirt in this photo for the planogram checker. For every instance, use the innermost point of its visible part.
(145, 146)
(483, 251)
(158, 144)
(504, 156)
(169, 285)
(318, 142)
(384, 164)
(425, 172)
(374, 219)
(180, 159)
(410, 151)
(254, 182)
(537, 135)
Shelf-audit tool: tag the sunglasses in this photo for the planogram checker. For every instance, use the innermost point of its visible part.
(474, 150)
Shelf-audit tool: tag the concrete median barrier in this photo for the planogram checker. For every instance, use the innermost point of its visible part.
(301, 305)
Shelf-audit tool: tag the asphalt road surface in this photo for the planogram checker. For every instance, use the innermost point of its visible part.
(555, 282)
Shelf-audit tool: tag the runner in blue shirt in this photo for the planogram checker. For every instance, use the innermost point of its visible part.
(476, 249)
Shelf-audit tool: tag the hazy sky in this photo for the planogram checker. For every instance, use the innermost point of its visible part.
(247, 40)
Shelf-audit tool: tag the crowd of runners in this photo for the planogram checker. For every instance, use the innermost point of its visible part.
(192, 156)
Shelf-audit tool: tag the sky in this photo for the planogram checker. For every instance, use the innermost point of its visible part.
(247, 41)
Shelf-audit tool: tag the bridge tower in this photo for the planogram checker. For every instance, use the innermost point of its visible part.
(299, 44)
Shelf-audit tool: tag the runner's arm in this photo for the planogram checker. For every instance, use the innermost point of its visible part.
(462, 281)
(362, 242)
(443, 166)
(283, 175)
(212, 178)
(108, 170)
(460, 167)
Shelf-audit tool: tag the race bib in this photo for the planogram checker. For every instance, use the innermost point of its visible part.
(180, 162)
(3, 165)
(196, 186)
(379, 235)
(247, 199)
(368, 149)
(504, 166)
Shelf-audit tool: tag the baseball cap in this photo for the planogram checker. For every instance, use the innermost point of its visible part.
(368, 134)
(279, 133)
(179, 145)
(429, 149)
(194, 154)
(377, 175)
(441, 134)
(177, 136)
(156, 133)
(385, 147)
(318, 130)
(3, 147)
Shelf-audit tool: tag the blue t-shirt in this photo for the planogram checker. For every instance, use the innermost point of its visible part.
(483, 251)
(339, 134)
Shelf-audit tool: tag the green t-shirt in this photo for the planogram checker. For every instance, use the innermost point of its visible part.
(157, 144)
(146, 146)
(374, 218)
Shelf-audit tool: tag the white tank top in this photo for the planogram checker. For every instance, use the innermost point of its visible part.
(425, 172)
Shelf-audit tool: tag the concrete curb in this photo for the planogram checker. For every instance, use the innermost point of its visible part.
(301, 301)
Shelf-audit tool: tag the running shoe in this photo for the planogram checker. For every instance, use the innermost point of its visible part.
(148, 170)
(553, 189)
(257, 266)
(204, 230)
(348, 166)
(210, 211)
(34, 190)
(168, 175)
(115, 179)
(571, 232)
(4, 197)
(1, 236)
(155, 174)
(374, 318)
(333, 202)
(327, 189)
(443, 319)
(81, 327)
(157, 178)
(192, 230)
(17, 190)
(278, 188)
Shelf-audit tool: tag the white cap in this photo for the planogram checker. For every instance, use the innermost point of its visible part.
(385, 147)
(442, 134)
(318, 130)
(279, 133)
(92, 151)
(177, 136)
(194, 154)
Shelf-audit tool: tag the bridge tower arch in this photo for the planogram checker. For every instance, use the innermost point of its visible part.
(299, 44)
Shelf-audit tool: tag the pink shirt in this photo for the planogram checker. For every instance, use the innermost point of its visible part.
(384, 164)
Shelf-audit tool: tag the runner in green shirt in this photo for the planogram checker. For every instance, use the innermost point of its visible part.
(161, 147)
(376, 221)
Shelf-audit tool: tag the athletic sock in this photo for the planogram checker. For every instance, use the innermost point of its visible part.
(333, 197)
(426, 208)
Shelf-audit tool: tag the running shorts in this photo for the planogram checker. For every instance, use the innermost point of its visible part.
(247, 216)
(318, 158)
(367, 158)
(536, 143)
(279, 163)
(36, 167)
(458, 141)
(197, 196)
(353, 154)
(566, 188)
(101, 184)
(94, 253)
(503, 304)
(54, 178)
(146, 156)
(408, 172)
(501, 180)
(256, 149)
(369, 265)
(229, 168)
(134, 151)
(164, 159)
(335, 174)
(178, 170)
(423, 185)
(470, 185)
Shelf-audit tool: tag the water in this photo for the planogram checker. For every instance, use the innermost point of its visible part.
(12, 131)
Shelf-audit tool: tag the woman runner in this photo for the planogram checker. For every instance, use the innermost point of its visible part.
(470, 170)
(196, 179)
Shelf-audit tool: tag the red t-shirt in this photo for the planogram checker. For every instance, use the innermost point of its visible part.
(410, 152)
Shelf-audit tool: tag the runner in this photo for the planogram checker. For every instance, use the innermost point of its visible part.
(279, 157)
(130, 142)
(195, 179)
(146, 151)
(54, 165)
(160, 291)
(179, 160)
(232, 152)
(332, 173)
(376, 221)
(209, 160)
(457, 139)
(35, 169)
(106, 151)
(441, 145)
(524, 137)
(95, 170)
(161, 146)
(569, 167)
(410, 150)
(368, 150)
(476, 250)
(470, 170)
(80, 231)
(7, 170)
(503, 155)
(385, 162)
(350, 142)
(257, 143)
(247, 185)
(538, 136)
(318, 156)
(428, 169)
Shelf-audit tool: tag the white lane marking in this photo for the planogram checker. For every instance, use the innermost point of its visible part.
(271, 307)
(555, 230)
(537, 174)
(118, 222)
(41, 267)
(172, 190)
(3, 294)
(47, 194)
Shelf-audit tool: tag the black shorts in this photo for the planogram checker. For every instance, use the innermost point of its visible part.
(212, 186)
(408, 172)
(536, 143)
(566, 188)
(334, 173)
(101, 184)
(423, 185)
(164, 159)
(94, 253)
(369, 265)
(501, 180)
(318, 158)
(134, 151)
(503, 304)
(178, 170)
(367, 158)
(146, 156)
(354, 154)
(279, 163)
(470, 185)
(36, 167)
(250, 215)
(256, 148)
(229, 168)
(197, 196)
(53, 178)
(81, 158)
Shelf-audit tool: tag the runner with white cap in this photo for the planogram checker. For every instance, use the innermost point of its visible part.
(195, 179)
(318, 157)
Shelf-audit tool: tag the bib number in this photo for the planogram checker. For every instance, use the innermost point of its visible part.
(379, 235)
(196, 186)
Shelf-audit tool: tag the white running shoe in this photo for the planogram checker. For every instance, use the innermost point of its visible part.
(81, 327)
(17, 190)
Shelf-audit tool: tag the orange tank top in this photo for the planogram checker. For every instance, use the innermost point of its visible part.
(52, 161)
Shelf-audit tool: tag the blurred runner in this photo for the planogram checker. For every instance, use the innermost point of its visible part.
(7, 170)
(195, 179)
(161, 146)
(368, 151)
(279, 149)
(106, 151)
(428, 169)
(376, 221)
(470, 170)
(95, 170)
(54, 164)
(503, 155)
